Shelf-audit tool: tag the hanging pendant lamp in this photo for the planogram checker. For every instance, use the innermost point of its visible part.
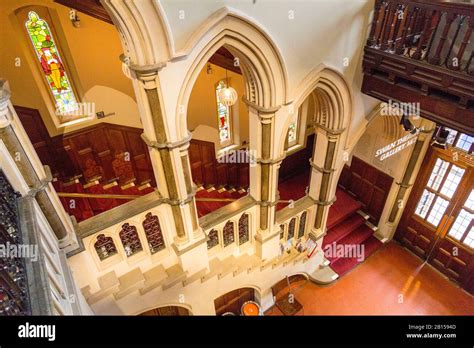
(227, 95)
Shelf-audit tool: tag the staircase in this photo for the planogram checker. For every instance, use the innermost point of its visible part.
(348, 231)
(160, 278)
(210, 198)
(83, 208)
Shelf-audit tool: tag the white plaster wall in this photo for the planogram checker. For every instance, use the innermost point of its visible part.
(331, 32)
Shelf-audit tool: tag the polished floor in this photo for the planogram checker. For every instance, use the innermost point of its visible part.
(390, 282)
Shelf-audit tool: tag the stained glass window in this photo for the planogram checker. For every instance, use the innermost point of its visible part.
(302, 226)
(105, 247)
(243, 229)
(213, 239)
(153, 233)
(292, 136)
(228, 233)
(291, 228)
(130, 240)
(51, 63)
(223, 115)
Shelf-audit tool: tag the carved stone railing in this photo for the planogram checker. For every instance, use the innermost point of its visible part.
(422, 51)
(14, 296)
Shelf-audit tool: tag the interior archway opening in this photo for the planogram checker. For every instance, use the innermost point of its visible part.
(219, 124)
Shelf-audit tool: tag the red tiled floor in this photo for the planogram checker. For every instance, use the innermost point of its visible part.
(373, 288)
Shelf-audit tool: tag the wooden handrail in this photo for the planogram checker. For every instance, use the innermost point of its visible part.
(111, 196)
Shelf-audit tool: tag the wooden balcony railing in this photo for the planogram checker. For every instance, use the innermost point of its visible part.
(437, 33)
(424, 47)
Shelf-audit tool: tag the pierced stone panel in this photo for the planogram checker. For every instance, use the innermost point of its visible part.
(154, 235)
(14, 297)
(105, 247)
(228, 233)
(291, 228)
(130, 240)
(302, 226)
(243, 229)
(213, 239)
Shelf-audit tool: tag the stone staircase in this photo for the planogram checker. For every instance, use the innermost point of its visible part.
(160, 278)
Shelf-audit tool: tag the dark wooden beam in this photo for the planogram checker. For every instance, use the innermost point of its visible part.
(92, 8)
(225, 59)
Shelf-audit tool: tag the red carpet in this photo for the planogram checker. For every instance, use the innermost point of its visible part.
(349, 241)
(85, 208)
(204, 208)
(344, 206)
(293, 188)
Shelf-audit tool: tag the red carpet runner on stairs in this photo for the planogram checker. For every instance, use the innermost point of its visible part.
(347, 231)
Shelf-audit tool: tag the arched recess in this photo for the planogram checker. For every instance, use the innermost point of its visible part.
(260, 62)
(232, 300)
(170, 310)
(333, 107)
(333, 100)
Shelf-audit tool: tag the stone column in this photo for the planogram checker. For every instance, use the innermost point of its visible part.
(265, 188)
(322, 187)
(37, 177)
(411, 171)
(170, 161)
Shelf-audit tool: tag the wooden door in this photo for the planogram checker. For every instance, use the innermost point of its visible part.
(39, 136)
(437, 224)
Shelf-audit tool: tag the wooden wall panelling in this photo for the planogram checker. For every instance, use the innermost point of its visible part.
(370, 185)
(297, 162)
(38, 134)
(196, 162)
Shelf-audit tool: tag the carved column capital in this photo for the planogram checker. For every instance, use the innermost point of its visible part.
(4, 100)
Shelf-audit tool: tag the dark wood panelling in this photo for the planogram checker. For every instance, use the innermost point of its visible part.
(297, 162)
(370, 185)
(167, 311)
(225, 59)
(233, 301)
(108, 151)
(423, 56)
(38, 134)
(90, 7)
(206, 170)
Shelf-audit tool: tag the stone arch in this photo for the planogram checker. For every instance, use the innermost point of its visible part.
(260, 61)
(333, 100)
(171, 304)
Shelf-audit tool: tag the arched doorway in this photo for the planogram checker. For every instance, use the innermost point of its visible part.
(167, 311)
(220, 134)
(233, 301)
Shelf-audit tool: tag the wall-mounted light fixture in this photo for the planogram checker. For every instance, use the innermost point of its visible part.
(440, 139)
(209, 69)
(407, 125)
(76, 22)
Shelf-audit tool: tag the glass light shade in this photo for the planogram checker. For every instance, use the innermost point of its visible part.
(228, 96)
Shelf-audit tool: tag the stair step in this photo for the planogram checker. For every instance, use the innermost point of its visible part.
(356, 239)
(343, 229)
(175, 275)
(130, 282)
(343, 265)
(228, 265)
(153, 279)
(323, 276)
(214, 269)
(344, 207)
(195, 277)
